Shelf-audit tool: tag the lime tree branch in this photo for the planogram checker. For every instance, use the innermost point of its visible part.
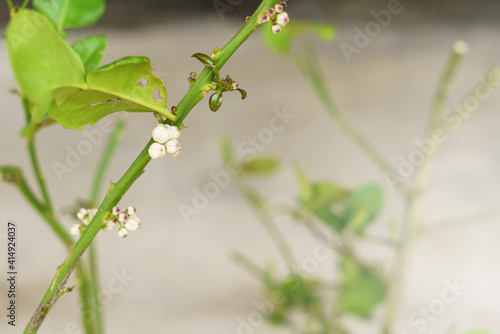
(101, 170)
(197, 91)
(116, 191)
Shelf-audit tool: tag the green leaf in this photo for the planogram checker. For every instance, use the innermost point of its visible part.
(227, 149)
(361, 290)
(127, 84)
(326, 193)
(282, 42)
(330, 218)
(243, 93)
(295, 293)
(72, 13)
(207, 61)
(41, 60)
(261, 166)
(90, 51)
(215, 101)
(362, 207)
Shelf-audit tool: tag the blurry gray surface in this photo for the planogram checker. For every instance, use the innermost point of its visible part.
(184, 281)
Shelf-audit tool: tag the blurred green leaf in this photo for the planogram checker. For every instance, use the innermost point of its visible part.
(362, 207)
(226, 148)
(361, 289)
(127, 84)
(261, 166)
(41, 60)
(282, 42)
(326, 193)
(330, 218)
(90, 51)
(294, 292)
(75, 13)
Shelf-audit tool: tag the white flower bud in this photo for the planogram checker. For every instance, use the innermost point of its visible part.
(176, 133)
(123, 232)
(282, 19)
(131, 211)
(278, 8)
(263, 18)
(133, 223)
(91, 213)
(173, 148)
(156, 151)
(162, 134)
(122, 217)
(115, 211)
(75, 229)
(82, 214)
(108, 226)
(276, 28)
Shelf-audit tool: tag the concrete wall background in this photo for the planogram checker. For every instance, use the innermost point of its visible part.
(183, 280)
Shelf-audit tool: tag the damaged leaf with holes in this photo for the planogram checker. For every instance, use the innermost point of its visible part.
(128, 84)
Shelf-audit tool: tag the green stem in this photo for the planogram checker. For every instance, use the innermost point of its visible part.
(85, 288)
(94, 279)
(247, 264)
(268, 223)
(14, 175)
(10, 4)
(25, 3)
(39, 175)
(103, 165)
(197, 91)
(116, 191)
(457, 54)
(46, 210)
(101, 170)
(414, 199)
(62, 17)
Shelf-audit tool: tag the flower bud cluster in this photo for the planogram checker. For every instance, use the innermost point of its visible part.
(85, 217)
(126, 220)
(276, 16)
(165, 137)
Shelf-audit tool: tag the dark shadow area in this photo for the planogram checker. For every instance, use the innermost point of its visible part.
(127, 13)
